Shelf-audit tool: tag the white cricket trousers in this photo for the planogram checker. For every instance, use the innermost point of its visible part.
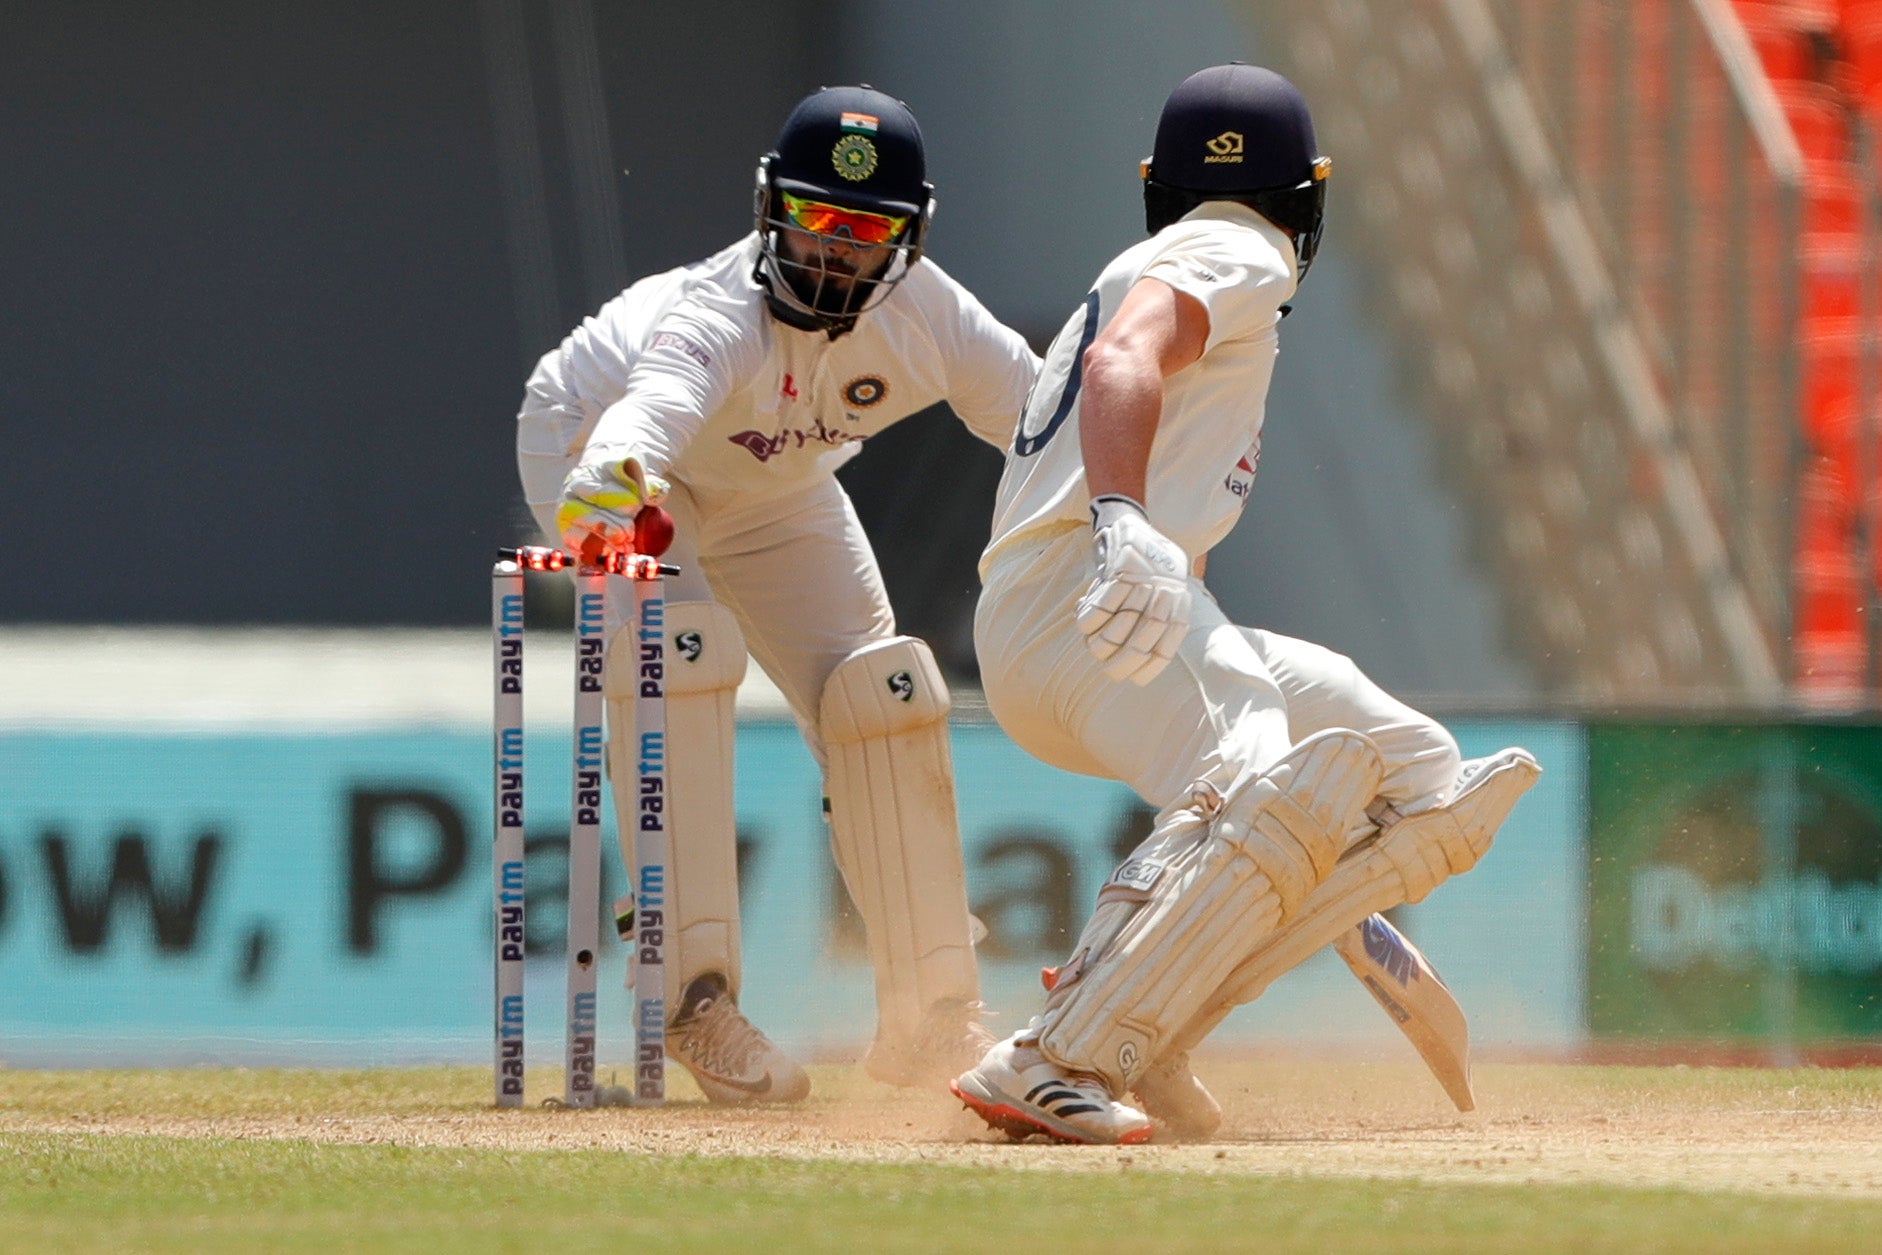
(1234, 697)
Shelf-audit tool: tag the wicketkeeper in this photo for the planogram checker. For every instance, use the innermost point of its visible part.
(1297, 798)
(730, 391)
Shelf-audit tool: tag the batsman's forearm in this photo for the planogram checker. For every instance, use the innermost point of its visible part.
(1118, 417)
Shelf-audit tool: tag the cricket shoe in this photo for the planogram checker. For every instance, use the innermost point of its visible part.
(949, 1040)
(1179, 1103)
(730, 1059)
(1016, 1090)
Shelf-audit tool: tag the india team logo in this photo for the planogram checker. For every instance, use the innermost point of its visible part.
(865, 391)
(854, 157)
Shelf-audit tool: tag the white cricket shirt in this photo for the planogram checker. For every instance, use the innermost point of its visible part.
(1241, 268)
(689, 371)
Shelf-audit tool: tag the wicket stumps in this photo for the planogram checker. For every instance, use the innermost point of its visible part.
(588, 776)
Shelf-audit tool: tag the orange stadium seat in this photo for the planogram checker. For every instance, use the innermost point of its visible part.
(1833, 199)
(1827, 621)
(1810, 15)
(1861, 40)
(1783, 50)
(1830, 661)
(1795, 41)
(1817, 117)
(1830, 582)
(1828, 368)
(1850, 12)
(1826, 504)
(1829, 590)
(1832, 275)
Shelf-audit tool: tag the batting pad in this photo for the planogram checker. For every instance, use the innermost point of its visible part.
(1412, 856)
(705, 660)
(1276, 836)
(890, 784)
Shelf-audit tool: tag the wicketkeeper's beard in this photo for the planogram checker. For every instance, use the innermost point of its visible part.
(831, 278)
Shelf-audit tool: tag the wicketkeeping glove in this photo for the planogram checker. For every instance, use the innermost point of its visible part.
(599, 501)
(1137, 609)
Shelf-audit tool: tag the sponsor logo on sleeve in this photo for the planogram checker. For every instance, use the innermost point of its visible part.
(681, 345)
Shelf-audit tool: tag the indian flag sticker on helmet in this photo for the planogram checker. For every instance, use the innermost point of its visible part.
(864, 122)
(854, 157)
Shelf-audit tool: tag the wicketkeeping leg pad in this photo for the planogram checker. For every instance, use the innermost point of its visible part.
(1153, 963)
(705, 654)
(893, 828)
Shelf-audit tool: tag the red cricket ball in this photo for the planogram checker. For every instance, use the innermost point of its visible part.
(653, 531)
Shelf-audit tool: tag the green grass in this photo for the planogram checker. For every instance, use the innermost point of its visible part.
(259, 1092)
(86, 1193)
(93, 1191)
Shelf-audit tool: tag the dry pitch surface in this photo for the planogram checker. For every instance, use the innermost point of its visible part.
(1802, 1132)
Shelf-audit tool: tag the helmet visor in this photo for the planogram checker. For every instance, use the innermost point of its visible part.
(821, 218)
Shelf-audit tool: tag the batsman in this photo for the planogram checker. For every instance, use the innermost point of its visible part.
(729, 392)
(1296, 798)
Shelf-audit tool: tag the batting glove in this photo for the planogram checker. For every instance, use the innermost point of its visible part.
(1136, 611)
(600, 498)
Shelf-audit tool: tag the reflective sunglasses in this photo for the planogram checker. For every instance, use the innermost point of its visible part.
(822, 219)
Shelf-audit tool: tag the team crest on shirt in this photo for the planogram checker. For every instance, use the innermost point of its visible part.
(865, 391)
(854, 157)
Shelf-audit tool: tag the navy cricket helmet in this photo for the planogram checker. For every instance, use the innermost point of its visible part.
(1240, 133)
(842, 205)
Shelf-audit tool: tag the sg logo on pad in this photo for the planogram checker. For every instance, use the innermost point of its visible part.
(690, 645)
(902, 684)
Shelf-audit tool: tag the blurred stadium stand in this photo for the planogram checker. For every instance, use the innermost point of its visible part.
(1633, 253)
(284, 270)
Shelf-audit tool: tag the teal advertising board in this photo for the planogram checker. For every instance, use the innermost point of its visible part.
(278, 897)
